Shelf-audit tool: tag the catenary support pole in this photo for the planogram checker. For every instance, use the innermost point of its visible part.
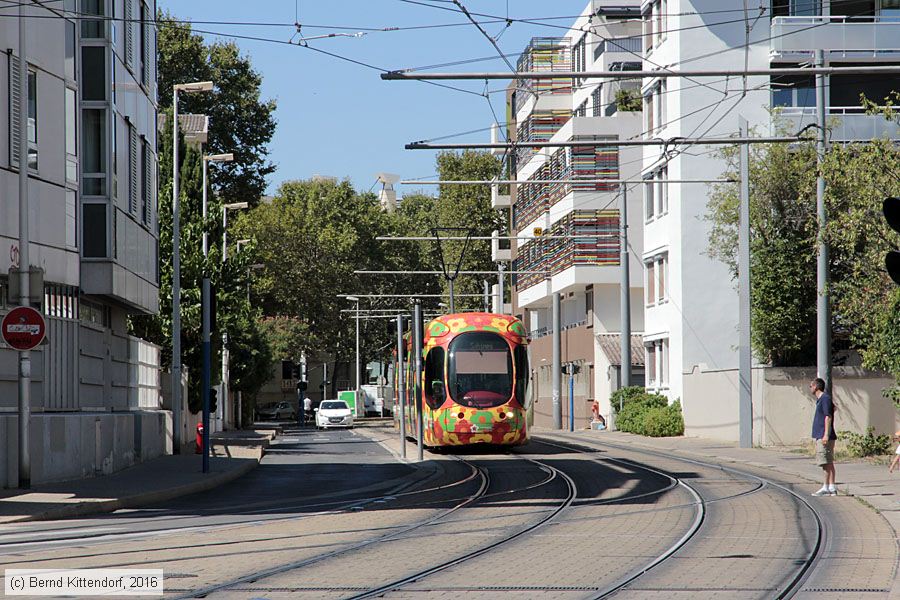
(487, 296)
(452, 296)
(823, 302)
(555, 370)
(571, 368)
(417, 385)
(206, 346)
(360, 399)
(625, 292)
(501, 288)
(24, 259)
(400, 383)
(177, 416)
(745, 373)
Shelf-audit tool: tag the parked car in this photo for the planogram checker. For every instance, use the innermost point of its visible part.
(333, 413)
(276, 412)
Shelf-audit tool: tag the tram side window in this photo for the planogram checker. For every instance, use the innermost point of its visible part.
(435, 392)
(522, 373)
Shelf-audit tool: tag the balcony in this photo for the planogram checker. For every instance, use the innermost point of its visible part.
(499, 201)
(853, 37)
(846, 123)
(545, 54)
(500, 248)
(565, 258)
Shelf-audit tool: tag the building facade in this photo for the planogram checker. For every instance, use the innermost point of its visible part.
(92, 188)
(584, 271)
(691, 302)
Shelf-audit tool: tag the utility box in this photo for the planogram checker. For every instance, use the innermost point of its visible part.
(348, 396)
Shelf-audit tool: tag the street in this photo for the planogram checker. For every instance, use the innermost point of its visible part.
(332, 514)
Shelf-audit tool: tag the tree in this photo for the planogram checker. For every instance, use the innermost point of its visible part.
(240, 122)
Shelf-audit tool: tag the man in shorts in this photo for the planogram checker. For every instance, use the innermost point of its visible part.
(824, 435)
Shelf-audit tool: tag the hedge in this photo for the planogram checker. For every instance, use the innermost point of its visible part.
(647, 414)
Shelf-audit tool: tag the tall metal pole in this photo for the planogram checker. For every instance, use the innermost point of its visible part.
(360, 410)
(745, 374)
(625, 292)
(823, 305)
(571, 367)
(400, 382)
(487, 296)
(556, 371)
(206, 350)
(417, 385)
(224, 408)
(177, 424)
(501, 291)
(24, 259)
(452, 298)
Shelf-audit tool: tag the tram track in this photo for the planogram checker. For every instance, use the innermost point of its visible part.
(797, 579)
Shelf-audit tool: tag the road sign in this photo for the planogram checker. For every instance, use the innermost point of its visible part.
(23, 328)
(538, 231)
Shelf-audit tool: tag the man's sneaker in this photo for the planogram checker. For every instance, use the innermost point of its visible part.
(824, 492)
(832, 492)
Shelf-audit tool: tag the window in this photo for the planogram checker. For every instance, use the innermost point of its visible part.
(649, 112)
(146, 183)
(581, 111)
(435, 391)
(32, 121)
(650, 267)
(93, 240)
(93, 146)
(578, 59)
(70, 50)
(71, 136)
(657, 269)
(657, 363)
(93, 72)
(662, 191)
(92, 29)
(144, 42)
(649, 202)
(597, 101)
(523, 376)
(128, 25)
(480, 370)
(589, 306)
(662, 273)
(654, 23)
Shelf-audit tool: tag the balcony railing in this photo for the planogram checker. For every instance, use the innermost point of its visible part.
(846, 123)
(628, 45)
(579, 162)
(545, 54)
(598, 248)
(540, 126)
(876, 35)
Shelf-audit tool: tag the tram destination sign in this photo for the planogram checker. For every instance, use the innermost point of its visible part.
(23, 328)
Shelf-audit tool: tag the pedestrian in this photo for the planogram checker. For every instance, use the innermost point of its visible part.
(307, 407)
(896, 459)
(824, 435)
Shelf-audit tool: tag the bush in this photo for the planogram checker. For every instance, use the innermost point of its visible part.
(664, 421)
(869, 444)
(628, 100)
(637, 404)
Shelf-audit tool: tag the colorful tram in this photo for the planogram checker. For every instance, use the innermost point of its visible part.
(475, 382)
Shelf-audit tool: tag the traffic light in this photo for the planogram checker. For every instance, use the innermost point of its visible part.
(213, 400)
(891, 209)
(301, 386)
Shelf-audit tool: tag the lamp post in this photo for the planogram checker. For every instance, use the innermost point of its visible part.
(205, 300)
(224, 407)
(190, 88)
(355, 299)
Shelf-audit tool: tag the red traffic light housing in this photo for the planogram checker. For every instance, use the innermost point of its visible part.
(891, 209)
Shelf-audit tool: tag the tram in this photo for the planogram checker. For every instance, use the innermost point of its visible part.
(475, 382)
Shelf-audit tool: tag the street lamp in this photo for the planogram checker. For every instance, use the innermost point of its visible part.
(190, 88)
(356, 299)
(205, 300)
(224, 407)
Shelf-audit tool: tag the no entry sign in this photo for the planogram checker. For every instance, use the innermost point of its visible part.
(23, 328)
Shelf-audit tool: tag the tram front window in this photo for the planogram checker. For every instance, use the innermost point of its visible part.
(480, 370)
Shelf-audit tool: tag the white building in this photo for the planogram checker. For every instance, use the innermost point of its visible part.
(94, 232)
(691, 304)
(584, 272)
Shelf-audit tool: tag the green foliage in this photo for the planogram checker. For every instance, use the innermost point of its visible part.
(636, 404)
(870, 444)
(892, 394)
(628, 100)
(287, 337)
(626, 395)
(664, 421)
(240, 122)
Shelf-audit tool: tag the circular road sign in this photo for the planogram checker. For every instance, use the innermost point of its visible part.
(23, 328)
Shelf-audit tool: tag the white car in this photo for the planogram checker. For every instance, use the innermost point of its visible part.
(333, 413)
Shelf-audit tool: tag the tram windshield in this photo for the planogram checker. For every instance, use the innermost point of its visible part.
(480, 370)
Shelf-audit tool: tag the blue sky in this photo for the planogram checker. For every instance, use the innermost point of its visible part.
(340, 119)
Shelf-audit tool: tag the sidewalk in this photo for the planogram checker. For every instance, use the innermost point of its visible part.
(146, 483)
(870, 483)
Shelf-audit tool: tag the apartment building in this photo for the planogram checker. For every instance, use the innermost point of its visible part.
(583, 271)
(691, 304)
(92, 189)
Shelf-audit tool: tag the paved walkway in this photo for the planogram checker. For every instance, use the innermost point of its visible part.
(147, 483)
(870, 483)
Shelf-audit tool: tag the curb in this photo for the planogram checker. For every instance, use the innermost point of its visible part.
(82, 509)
